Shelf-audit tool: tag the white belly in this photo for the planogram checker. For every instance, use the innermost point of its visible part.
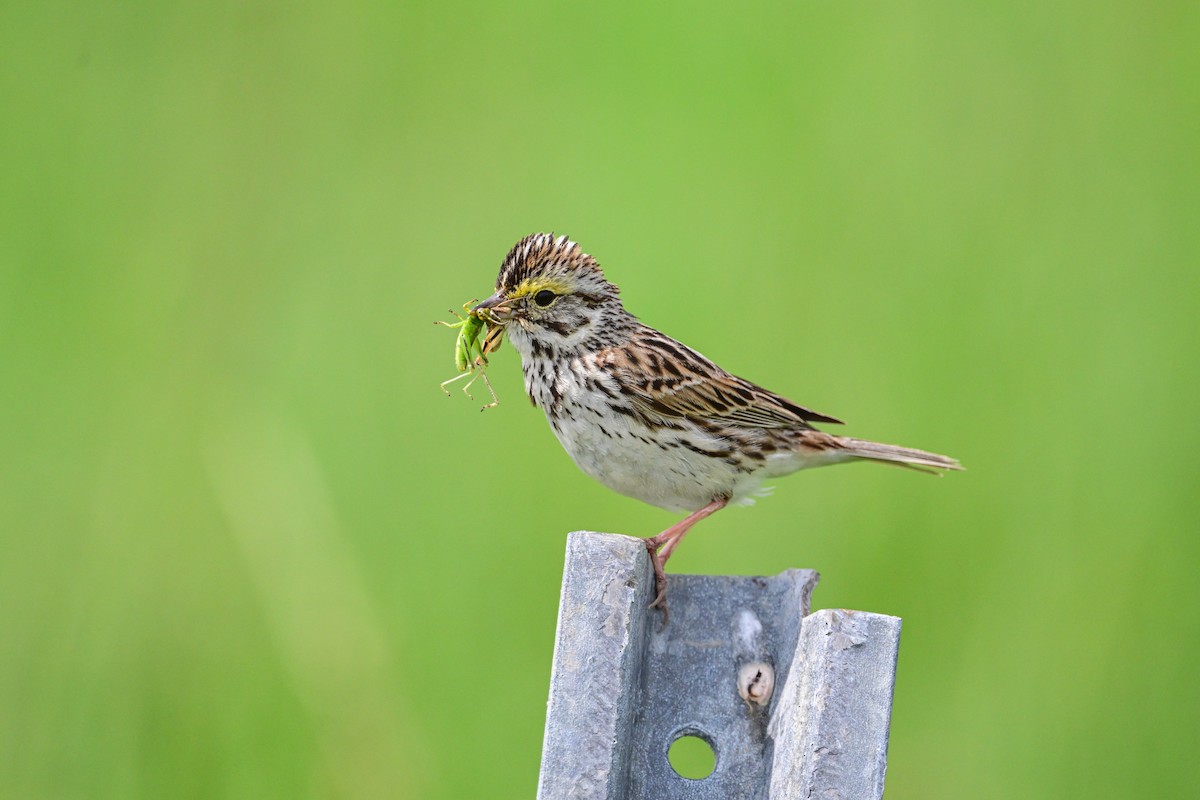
(651, 465)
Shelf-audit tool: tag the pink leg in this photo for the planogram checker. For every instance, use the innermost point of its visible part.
(660, 548)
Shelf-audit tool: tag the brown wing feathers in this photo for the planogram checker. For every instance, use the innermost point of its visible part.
(679, 382)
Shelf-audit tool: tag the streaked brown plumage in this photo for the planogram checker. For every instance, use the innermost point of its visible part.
(646, 415)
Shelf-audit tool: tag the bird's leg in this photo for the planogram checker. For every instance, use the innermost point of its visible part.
(660, 548)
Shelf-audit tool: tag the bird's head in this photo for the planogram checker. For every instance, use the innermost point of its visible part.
(551, 293)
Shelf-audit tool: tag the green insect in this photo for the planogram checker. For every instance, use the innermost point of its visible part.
(478, 335)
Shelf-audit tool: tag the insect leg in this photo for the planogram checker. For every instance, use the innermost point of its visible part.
(495, 400)
(444, 384)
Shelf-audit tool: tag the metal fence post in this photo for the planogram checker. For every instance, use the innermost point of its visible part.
(794, 705)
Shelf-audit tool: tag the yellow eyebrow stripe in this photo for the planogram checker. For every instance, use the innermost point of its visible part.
(535, 285)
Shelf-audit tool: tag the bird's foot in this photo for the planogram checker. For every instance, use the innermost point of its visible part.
(660, 548)
(657, 560)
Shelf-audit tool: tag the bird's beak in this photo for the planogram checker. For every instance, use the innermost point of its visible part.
(495, 305)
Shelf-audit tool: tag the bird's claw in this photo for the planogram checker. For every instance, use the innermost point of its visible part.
(660, 577)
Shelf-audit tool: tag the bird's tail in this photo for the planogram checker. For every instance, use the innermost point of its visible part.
(900, 456)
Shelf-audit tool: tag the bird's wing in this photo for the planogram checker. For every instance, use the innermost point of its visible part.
(669, 379)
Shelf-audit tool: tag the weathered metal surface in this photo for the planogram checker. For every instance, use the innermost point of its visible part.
(598, 653)
(791, 708)
(830, 724)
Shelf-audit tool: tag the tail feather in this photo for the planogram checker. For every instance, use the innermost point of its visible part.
(909, 457)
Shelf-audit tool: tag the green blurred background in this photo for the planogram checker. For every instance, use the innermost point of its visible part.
(248, 549)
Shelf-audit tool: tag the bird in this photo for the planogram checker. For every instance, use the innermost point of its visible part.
(646, 415)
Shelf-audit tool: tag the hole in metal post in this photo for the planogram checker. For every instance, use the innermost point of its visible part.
(691, 756)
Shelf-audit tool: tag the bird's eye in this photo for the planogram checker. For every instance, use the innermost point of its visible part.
(544, 298)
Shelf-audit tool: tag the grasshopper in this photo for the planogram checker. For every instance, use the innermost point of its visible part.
(472, 347)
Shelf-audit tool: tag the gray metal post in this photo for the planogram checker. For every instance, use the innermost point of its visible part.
(794, 705)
